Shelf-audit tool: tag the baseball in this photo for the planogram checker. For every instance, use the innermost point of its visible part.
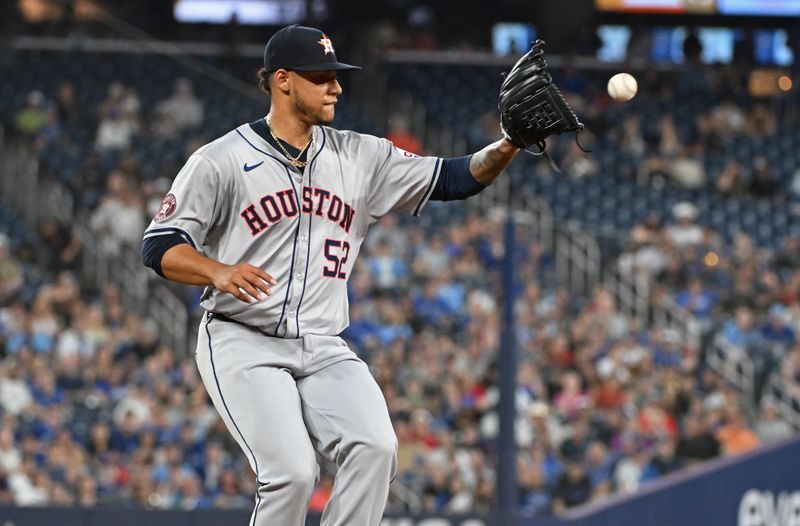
(622, 87)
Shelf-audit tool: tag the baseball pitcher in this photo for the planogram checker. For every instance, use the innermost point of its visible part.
(270, 218)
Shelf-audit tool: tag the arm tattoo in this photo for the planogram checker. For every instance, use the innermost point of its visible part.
(487, 164)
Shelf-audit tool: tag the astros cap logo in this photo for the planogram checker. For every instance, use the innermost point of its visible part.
(326, 43)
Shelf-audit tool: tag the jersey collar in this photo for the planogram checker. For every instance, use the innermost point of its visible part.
(260, 142)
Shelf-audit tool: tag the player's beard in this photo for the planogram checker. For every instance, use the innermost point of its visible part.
(310, 116)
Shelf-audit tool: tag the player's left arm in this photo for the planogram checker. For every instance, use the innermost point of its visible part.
(486, 165)
(403, 181)
(463, 177)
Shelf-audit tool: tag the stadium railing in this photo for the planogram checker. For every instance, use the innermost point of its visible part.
(142, 292)
(787, 397)
(734, 365)
(579, 264)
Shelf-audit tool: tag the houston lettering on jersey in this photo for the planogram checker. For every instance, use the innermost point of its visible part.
(274, 207)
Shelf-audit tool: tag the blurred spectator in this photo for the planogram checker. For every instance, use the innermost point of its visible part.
(231, 496)
(646, 254)
(401, 136)
(776, 330)
(29, 485)
(578, 164)
(698, 299)
(599, 466)
(731, 181)
(692, 50)
(762, 181)
(629, 468)
(664, 461)
(786, 259)
(322, 494)
(760, 121)
(654, 171)
(119, 219)
(571, 399)
(33, 117)
(422, 28)
(740, 330)
(687, 169)
(15, 394)
(461, 500)
(11, 278)
(119, 119)
(387, 230)
(535, 497)
(727, 118)
(387, 270)
(735, 436)
(180, 111)
(67, 108)
(163, 126)
(632, 141)
(484, 130)
(10, 456)
(685, 232)
(656, 423)
(573, 487)
(697, 443)
(123, 101)
(669, 143)
(61, 244)
(114, 132)
(483, 501)
(769, 426)
(431, 257)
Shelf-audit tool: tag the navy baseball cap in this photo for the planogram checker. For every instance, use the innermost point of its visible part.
(302, 49)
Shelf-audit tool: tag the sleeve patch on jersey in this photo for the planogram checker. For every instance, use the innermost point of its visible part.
(168, 206)
(406, 153)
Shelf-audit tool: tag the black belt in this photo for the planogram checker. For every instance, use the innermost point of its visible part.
(221, 317)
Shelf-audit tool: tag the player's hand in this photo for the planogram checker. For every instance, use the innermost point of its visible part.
(245, 281)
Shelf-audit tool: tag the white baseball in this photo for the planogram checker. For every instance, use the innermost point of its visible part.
(622, 87)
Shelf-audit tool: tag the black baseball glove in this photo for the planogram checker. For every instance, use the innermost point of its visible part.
(532, 108)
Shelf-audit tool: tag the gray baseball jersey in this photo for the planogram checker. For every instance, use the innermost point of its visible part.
(238, 199)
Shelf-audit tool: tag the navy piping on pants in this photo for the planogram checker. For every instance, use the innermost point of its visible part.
(210, 317)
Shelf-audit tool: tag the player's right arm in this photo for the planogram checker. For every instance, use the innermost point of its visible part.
(195, 204)
(183, 264)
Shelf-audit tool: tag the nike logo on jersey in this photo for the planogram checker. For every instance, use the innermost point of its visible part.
(248, 168)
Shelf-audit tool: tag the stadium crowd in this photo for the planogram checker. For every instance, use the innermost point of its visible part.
(95, 412)
(744, 297)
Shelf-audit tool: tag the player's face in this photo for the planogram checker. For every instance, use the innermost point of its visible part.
(315, 95)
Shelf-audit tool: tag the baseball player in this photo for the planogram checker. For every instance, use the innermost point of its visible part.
(270, 218)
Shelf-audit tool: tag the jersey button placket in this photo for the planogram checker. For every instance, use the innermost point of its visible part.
(301, 253)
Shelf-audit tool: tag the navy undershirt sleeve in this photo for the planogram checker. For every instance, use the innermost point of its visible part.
(455, 180)
(154, 248)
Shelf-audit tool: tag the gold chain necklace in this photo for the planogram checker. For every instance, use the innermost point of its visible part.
(294, 161)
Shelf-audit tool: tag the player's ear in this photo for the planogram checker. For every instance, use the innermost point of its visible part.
(280, 80)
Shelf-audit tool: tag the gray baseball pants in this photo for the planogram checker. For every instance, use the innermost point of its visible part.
(282, 399)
